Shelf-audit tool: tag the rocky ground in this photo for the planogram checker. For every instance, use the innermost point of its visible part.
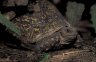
(47, 36)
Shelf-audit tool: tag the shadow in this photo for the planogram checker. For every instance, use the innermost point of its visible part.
(9, 40)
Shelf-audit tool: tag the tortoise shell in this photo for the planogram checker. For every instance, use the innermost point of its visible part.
(44, 24)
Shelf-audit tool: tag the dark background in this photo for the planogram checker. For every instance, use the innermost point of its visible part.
(88, 3)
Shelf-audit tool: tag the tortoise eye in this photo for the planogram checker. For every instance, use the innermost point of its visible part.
(66, 26)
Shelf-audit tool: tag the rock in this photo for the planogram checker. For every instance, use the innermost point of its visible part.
(10, 15)
(21, 2)
(11, 3)
(8, 3)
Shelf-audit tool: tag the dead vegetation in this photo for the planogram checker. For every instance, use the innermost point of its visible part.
(40, 31)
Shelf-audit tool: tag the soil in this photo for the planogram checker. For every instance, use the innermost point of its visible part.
(53, 45)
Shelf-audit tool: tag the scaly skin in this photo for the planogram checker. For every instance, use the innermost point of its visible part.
(45, 26)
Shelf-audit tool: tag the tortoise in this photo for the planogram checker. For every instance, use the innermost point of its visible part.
(45, 27)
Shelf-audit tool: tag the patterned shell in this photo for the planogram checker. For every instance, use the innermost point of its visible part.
(43, 22)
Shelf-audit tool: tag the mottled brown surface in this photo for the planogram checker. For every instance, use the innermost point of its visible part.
(43, 29)
(45, 26)
(10, 3)
(16, 55)
(72, 55)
